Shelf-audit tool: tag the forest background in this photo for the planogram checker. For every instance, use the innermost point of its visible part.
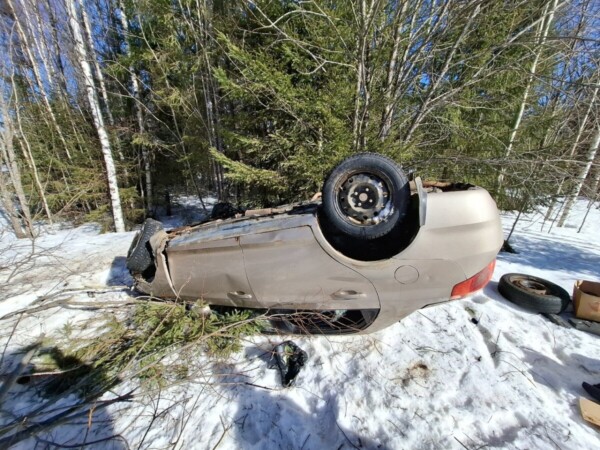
(109, 107)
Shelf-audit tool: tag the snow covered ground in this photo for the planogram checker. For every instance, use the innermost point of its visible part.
(436, 380)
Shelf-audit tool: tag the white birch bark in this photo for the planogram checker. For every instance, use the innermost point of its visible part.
(24, 143)
(542, 36)
(594, 189)
(90, 88)
(9, 207)
(38, 38)
(359, 78)
(573, 149)
(388, 109)
(29, 157)
(582, 175)
(38, 78)
(135, 92)
(362, 90)
(97, 70)
(47, 53)
(56, 48)
(8, 159)
(593, 199)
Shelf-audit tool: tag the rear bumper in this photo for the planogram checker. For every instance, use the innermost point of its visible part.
(462, 235)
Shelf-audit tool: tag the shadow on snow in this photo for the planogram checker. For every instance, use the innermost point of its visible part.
(46, 408)
(270, 418)
(553, 255)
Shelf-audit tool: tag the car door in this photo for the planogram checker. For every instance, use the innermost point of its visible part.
(211, 270)
(287, 268)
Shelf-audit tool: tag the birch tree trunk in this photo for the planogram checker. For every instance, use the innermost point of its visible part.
(8, 159)
(573, 150)
(583, 173)
(362, 92)
(204, 39)
(596, 183)
(9, 207)
(38, 78)
(590, 204)
(61, 78)
(97, 70)
(135, 92)
(111, 174)
(29, 157)
(37, 36)
(24, 141)
(543, 34)
(212, 114)
(100, 77)
(392, 75)
(402, 79)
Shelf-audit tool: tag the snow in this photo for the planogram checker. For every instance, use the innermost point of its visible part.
(474, 373)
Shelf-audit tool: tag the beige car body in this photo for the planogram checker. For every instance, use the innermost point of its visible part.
(284, 261)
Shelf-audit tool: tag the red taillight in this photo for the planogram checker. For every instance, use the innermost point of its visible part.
(476, 282)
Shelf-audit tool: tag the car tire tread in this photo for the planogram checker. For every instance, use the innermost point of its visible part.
(139, 256)
(367, 162)
(555, 302)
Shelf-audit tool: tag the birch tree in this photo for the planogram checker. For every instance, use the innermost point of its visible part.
(284, 90)
(367, 12)
(544, 28)
(97, 69)
(576, 141)
(94, 104)
(28, 154)
(582, 175)
(137, 104)
(27, 47)
(9, 161)
(55, 47)
(6, 199)
(394, 68)
(36, 37)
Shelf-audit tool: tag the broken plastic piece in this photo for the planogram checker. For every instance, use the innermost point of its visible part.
(289, 359)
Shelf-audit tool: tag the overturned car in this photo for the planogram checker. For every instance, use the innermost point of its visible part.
(375, 249)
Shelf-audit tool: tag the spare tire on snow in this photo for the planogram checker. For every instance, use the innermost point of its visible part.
(366, 196)
(533, 293)
(139, 256)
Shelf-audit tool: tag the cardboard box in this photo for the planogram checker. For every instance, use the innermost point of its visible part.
(586, 300)
(590, 410)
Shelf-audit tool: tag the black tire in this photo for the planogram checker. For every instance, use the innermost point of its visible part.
(223, 210)
(371, 179)
(593, 390)
(533, 293)
(139, 256)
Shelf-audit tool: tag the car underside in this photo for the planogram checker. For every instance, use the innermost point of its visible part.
(313, 275)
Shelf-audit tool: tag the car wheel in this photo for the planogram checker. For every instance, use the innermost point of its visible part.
(533, 293)
(223, 210)
(366, 196)
(139, 256)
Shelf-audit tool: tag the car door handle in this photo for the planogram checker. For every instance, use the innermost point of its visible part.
(239, 295)
(347, 294)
